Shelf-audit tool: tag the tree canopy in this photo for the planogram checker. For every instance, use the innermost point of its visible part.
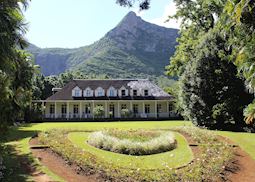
(16, 66)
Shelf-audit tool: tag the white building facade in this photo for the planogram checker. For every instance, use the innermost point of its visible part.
(109, 99)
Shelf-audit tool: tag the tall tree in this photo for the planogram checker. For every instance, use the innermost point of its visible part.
(16, 67)
(240, 25)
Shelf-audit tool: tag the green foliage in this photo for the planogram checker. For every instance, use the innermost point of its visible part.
(249, 114)
(130, 146)
(212, 95)
(98, 111)
(197, 17)
(125, 113)
(214, 33)
(16, 67)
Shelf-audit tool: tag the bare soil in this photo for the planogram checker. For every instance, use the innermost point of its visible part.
(68, 172)
(242, 167)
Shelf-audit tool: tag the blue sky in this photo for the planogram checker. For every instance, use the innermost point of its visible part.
(75, 23)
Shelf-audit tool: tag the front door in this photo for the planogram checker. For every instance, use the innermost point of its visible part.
(111, 111)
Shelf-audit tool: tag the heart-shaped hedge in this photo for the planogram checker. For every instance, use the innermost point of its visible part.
(133, 142)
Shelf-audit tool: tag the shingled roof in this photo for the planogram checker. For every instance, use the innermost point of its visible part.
(66, 92)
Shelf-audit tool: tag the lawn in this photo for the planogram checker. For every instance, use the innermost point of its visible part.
(245, 140)
(18, 138)
(173, 159)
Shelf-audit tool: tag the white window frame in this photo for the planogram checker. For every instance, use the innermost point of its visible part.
(86, 91)
(100, 92)
(111, 92)
(120, 92)
(77, 92)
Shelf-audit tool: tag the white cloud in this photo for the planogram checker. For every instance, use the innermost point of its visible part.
(169, 10)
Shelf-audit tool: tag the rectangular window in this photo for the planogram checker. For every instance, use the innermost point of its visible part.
(134, 92)
(63, 109)
(135, 108)
(147, 108)
(87, 109)
(88, 93)
(123, 92)
(52, 109)
(159, 108)
(75, 109)
(123, 106)
(170, 107)
(77, 93)
(100, 93)
(111, 93)
(146, 92)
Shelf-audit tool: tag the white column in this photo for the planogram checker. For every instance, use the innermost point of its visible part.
(43, 112)
(167, 108)
(92, 110)
(105, 109)
(131, 107)
(118, 111)
(55, 109)
(80, 110)
(67, 110)
(156, 109)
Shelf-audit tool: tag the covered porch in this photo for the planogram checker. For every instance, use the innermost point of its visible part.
(85, 109)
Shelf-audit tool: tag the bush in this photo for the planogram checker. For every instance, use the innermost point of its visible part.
(103, 140)
(98, 111)
(125, 113)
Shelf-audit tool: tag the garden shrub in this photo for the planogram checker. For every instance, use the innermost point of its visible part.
(98, 112)
(162, 143)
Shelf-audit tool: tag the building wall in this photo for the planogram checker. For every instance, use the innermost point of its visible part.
(106, 104)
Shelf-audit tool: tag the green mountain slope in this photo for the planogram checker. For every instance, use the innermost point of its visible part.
(134, 48)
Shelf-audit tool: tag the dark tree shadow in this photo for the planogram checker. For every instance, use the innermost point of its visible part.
(18, 166)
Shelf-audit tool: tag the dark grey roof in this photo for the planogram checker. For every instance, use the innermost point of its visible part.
(66, 92)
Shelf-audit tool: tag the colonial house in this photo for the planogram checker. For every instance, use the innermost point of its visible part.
(118, 98)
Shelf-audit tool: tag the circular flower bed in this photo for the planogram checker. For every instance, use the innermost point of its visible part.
(133, 142)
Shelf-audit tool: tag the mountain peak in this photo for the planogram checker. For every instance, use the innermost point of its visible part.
(133, 30)
(131, 19)
(131, 15)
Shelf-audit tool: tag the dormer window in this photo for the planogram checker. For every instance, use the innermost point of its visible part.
(76, 92)
(146, 92)
(123, 92)
(112, 92)
(100, 92)
(87, 92)
(134, 92)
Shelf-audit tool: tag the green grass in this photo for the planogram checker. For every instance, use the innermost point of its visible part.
(173, 159)
(18, 139)
(105, 125)
(245, 140)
